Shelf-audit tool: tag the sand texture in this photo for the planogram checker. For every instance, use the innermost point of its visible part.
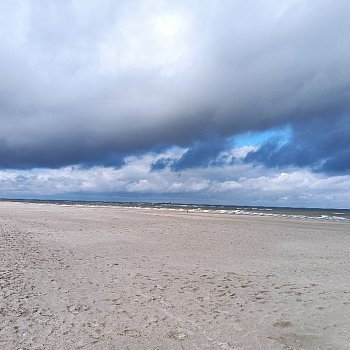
(79, 277)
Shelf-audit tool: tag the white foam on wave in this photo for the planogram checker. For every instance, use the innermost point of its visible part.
(268, 212)
(280, 215)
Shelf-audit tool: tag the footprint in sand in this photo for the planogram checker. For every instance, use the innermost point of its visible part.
(282, 324)
(177, 334)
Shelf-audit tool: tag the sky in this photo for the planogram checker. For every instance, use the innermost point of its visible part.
(197, 101)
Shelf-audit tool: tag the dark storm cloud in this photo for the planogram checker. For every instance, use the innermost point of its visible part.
(200, 154)
(84, 81)
(322, 145)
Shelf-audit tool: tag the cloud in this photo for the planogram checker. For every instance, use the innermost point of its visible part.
(201, 154)
(162, 163)
(89, 82)
(240, 184)
(322, 145)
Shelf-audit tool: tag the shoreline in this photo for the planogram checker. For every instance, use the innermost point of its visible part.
(200, 209)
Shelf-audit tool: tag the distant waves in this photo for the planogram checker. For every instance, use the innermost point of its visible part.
(339, 215)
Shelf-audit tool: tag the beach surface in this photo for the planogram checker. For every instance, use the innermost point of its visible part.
(84, 277)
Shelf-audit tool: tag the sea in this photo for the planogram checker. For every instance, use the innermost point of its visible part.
(319, 214)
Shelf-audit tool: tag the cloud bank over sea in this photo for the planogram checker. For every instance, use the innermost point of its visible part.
(227, 101)
(136, 180)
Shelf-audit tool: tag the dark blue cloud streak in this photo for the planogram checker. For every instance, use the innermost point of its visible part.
(201, 154)
(320, 144)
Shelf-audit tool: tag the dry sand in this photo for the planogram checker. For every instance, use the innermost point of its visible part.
(79, 277)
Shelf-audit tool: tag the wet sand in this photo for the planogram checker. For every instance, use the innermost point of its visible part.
(79, 277)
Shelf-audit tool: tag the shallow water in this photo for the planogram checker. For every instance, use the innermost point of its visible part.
(319, 214)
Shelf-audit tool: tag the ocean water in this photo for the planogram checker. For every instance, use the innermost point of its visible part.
(318, 214)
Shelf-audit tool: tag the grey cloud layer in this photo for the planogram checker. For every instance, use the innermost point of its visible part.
(90, 82)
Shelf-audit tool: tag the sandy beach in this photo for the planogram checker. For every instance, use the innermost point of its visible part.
(80, 277)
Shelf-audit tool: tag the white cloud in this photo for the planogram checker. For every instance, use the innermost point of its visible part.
(231, 184)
